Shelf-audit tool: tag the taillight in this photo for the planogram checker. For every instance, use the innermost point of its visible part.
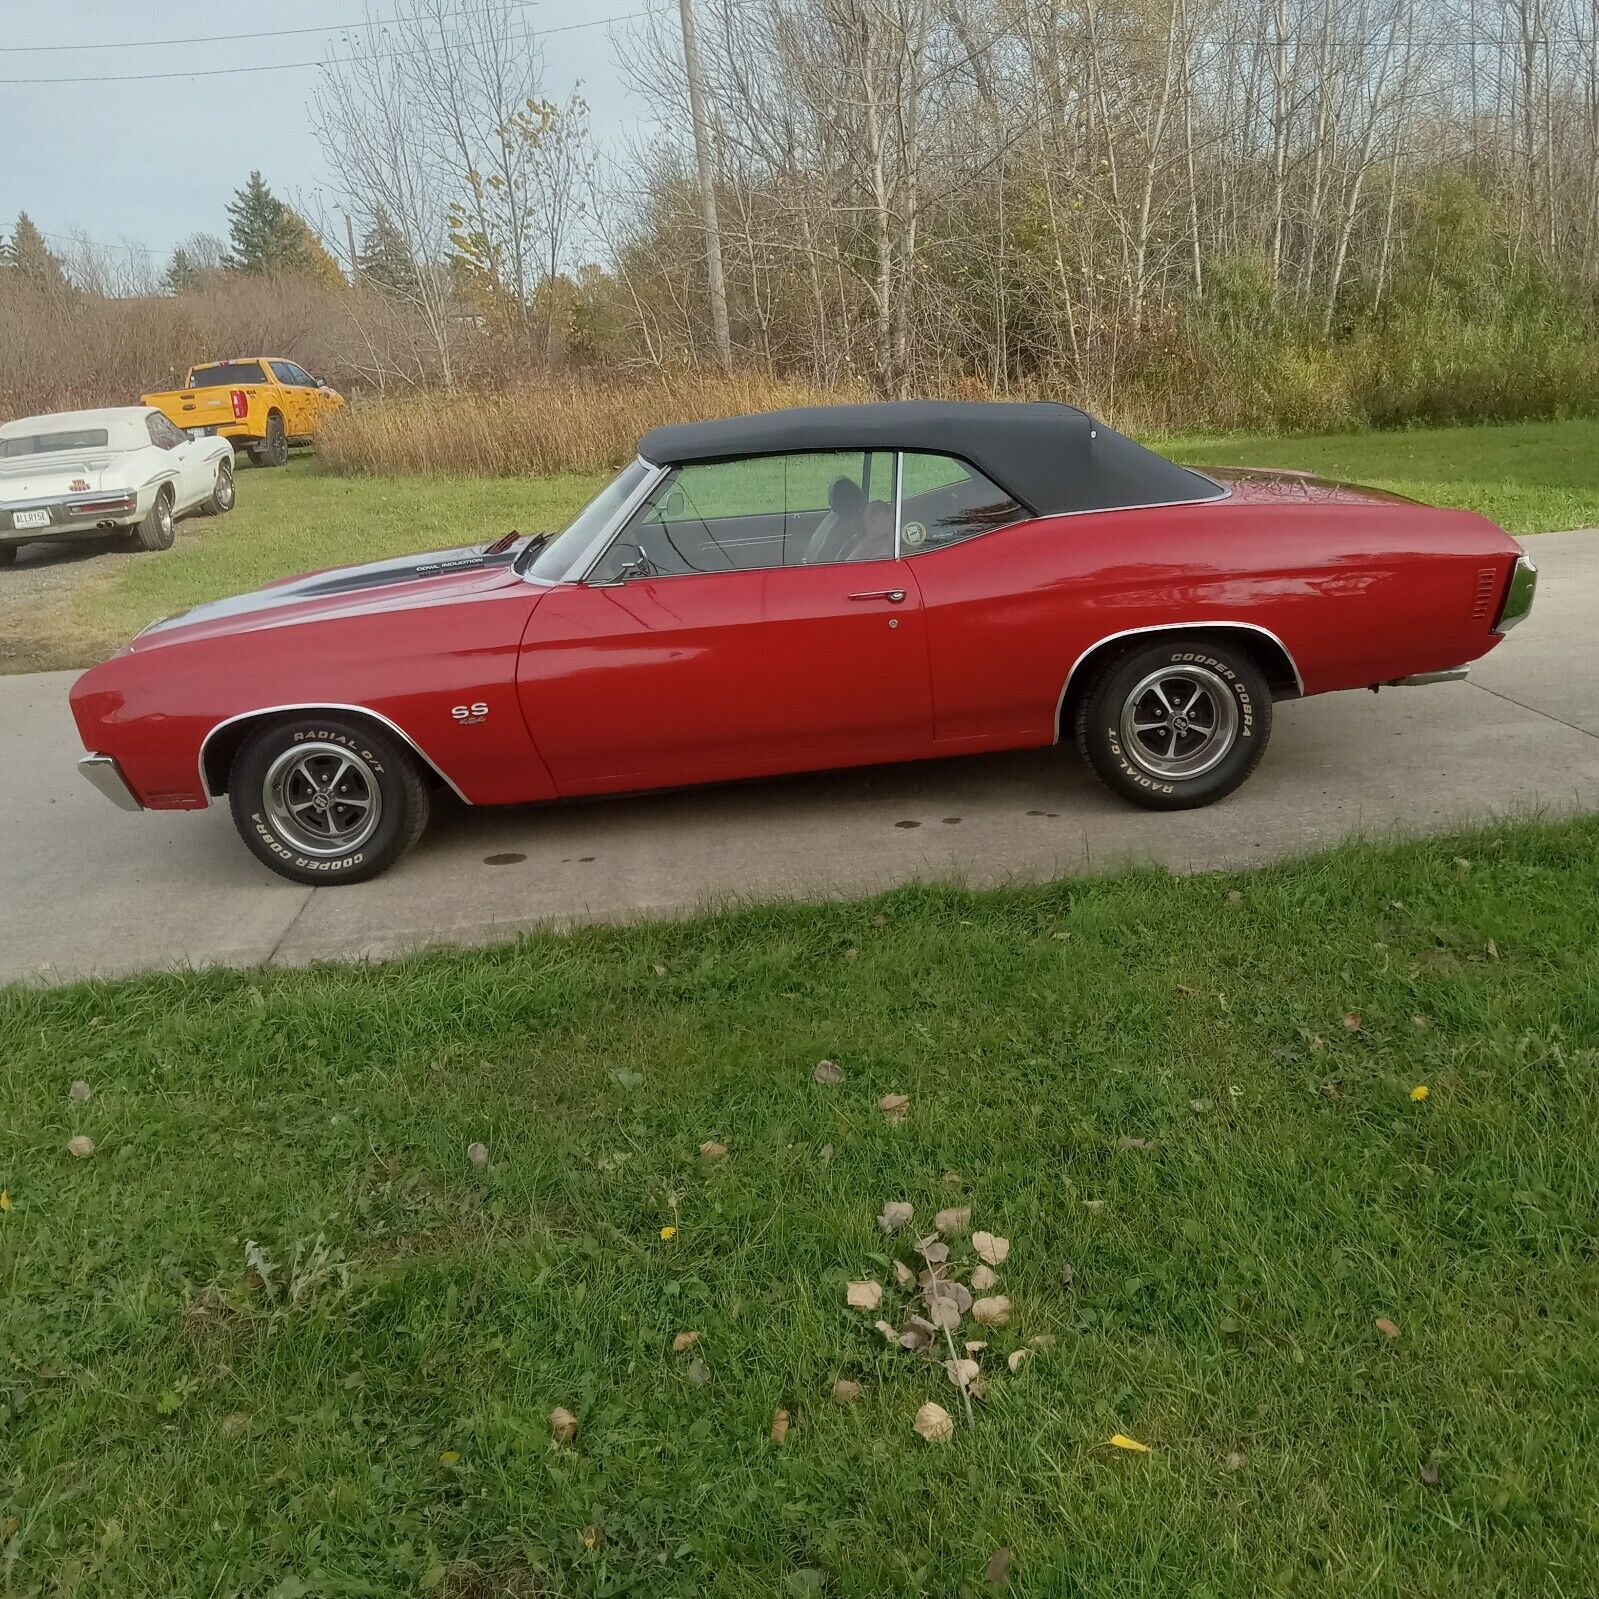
(241, 404)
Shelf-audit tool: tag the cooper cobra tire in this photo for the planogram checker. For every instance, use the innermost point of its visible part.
(327, 799)
(222, 495)
(1175, 724)
(155, 531)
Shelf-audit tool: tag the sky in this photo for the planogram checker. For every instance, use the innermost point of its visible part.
(112, 160)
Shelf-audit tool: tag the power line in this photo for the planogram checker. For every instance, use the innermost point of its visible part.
(231, 38)
(296, 66)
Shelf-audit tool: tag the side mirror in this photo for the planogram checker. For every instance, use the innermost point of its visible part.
(637, 564)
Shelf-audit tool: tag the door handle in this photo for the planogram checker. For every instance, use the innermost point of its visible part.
(893, 596)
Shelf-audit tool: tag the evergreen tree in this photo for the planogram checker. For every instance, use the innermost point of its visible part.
(385, 259)
(26, 253)
(271, 236)
(182, 273)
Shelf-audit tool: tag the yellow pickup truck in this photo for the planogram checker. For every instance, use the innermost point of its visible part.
(262, 403)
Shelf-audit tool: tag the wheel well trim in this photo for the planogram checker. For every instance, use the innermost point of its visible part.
(327, 705)
(1174, 627)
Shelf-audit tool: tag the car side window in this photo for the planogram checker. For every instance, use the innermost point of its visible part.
(758, 513)
(163, 434)
(943, 501)
(285, 372)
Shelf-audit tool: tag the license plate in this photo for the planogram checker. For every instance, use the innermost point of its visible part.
(202, 433)
(30, 519)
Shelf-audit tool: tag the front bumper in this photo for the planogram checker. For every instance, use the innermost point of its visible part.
(106, 775)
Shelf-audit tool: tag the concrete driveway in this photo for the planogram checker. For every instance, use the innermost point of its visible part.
(86, 889)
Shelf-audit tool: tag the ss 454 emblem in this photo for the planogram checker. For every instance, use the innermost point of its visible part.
(470, 715)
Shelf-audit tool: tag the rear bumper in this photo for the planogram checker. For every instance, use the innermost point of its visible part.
(1519, 596)
(70, 514)
(106, 775)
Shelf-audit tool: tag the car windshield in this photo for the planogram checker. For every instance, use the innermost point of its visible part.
(229, 376)
(48, 443)
(555, 558)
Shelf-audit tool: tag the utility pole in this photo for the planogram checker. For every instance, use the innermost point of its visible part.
(702, 157)
(349, 238)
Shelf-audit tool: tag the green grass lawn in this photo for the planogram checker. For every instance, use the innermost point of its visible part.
(278, 1336)
(1531, 477)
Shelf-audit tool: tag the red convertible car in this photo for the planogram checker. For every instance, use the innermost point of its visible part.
(798, 590)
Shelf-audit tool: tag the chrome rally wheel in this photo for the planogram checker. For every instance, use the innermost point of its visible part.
(322, 799)
(1179, 722)
(1175, 723)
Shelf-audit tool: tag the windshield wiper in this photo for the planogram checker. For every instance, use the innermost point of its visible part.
(535, 543)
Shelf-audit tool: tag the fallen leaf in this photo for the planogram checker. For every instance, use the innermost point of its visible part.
(954, 1221)
(234, 1423)
(827, 1072)
(1201, 1105)
(1135, 1143)
(1067, 1274)
(826, 1153)
(962, 1372)
(934, 1424)
(894, 1107)
(1234, 1460)
(1420, 1092)
(945, 1314)
(864, 1295)
(1429, 1474)
(1041, 1341)
(711, 1150)
(991, 1249)
(993, 1312)
(81, 1147)
(954, 1179)
(945, 1288)
(1389, 1329)
(698, 1372)
(1234, 897)
(1351, 1023)
(668, 1233)
(779, 1426)
(1493, 950)
(903, 1275)
(895, 1214)
(975, 1346)
(888, 1330)
(983, 1278)
(1419, 1020)
(916, 1334)
(79, 1091)
(5, 1199)
(450, 1457)
(591, 1537)
(563, 1425)
(1015, 1358)
(851, 953)
(1462, 864)
(1093, 1204)
(932, 1251)
(478, 1154)
(626, 1077)
(658, 969)
(997, 1571)
(846, 1392)
(1120, 1440)
(684, 1340)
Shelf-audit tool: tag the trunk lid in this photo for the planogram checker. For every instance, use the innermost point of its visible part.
(48, 477)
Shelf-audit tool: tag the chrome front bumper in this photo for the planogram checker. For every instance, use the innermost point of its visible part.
(106, 775)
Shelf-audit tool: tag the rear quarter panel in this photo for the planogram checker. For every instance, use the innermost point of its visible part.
(1359, 592)
(152, 705)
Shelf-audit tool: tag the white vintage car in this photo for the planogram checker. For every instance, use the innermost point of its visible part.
(78, 473)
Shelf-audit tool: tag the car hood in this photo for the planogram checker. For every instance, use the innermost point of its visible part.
(403, 583)
(43, 477)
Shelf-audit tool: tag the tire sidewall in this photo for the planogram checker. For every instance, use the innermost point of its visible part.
(390, 764)
(225, 486)
(1101, 725)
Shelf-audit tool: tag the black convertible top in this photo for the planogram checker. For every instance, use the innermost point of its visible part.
(1051, 458)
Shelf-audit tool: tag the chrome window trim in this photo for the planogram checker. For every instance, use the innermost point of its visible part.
(1172, 627)
(325, 705)
(1519, 595)
(594, 551)
(899, 499)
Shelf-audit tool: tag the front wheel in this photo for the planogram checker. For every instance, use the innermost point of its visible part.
(327, 799)
(1177, 724)
(155, 531)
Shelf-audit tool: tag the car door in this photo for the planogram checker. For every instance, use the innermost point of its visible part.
(734, 627)
(298, 399)
(184, 457)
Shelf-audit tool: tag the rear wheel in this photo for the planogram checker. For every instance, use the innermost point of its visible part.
(221, 500)
(155, 531)
(8, 554)
(273, 450)
(1177, 724)
(327, 799)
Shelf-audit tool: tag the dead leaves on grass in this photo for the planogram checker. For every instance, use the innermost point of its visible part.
(934, 1423)
(563, 1426)
(895, 1108)
(863, 1295)
(826, 1072)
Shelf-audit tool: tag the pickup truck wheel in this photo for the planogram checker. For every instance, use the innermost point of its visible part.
(274, 449)
(327, 799)
(155, 531)
(221, 501)
(1176, 724)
